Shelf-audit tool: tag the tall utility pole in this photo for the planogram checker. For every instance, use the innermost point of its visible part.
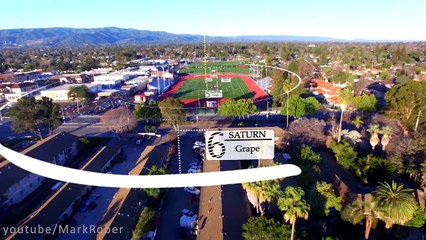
(286, 126)
(205, 63)
(417, 120)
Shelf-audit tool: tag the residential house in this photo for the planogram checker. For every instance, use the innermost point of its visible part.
(16, 183)
(62, 205)
(330, 91)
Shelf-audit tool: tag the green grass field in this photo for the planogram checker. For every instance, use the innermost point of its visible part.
(220, 67)
(194, 88)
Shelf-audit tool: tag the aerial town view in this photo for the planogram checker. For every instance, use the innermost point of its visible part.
(213, 120)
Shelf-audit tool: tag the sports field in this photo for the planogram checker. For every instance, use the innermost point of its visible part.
(190, 89)
(194, 88)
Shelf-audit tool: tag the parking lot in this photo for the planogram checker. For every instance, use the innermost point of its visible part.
(92, 108)
(177, 199)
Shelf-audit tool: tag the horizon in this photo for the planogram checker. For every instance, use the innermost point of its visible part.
(350, 20)
(248, 35)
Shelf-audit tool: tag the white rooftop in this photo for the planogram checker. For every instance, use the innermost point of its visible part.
(67, 86)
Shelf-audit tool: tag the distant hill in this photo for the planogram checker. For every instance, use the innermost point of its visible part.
(60, 37)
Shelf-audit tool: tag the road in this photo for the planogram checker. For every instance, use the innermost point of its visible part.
(177, 199)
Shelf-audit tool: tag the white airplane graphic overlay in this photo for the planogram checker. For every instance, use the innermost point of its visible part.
(65, 174)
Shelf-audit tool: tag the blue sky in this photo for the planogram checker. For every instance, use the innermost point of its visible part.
(374, 19)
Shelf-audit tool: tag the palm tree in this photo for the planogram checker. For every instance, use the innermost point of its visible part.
(374, 130)
(357, 121)
(294, 206)
(387, 132)
(365, 210)
(261, 192)
(396, 203)
(344, 100)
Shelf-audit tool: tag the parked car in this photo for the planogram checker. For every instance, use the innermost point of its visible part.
(199, 150)
(195, 164)
(192, 190)
(84, 206)
(56, 186)
(187, 212)
(199, 143)
(194, 170)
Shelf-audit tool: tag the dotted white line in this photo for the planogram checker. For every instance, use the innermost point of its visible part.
(178, 143)
(179, 159)
(193, 130)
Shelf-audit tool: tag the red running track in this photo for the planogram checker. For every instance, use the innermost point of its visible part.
(253, 87)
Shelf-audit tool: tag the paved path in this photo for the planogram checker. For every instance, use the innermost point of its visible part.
(330, 168)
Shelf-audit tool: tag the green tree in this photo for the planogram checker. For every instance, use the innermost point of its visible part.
(418, 219)
(81, 93)
(387, 133)
(293, 205)
(329, 198)
(33, 115)
(365, 103)
(343, 77)
(277, 86)
(308, 161)
(259, 193)
(402, 79)
(150, 112)
(345, 154)
(239, 108)
(374, 130)
(293, 66)
(361, 210)
(49, 113)
(154, 170)
(404, 102)
(262, 228)
(145, 223)
(357, 121)
(396, 203)
(172, 112)
(307, 156)
(374, 169)
(298, 106)
(385, 75)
